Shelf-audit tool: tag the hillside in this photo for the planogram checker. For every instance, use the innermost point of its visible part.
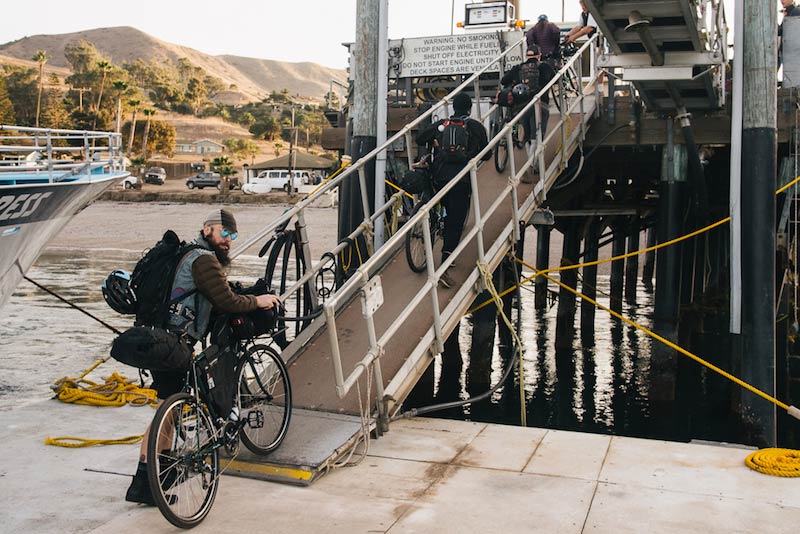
(254, 78)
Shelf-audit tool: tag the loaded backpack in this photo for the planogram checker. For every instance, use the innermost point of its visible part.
(149, 345)
(529, 75)
(152, 279)
(453, 140)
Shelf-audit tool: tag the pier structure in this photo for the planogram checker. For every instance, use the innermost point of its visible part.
(642, 145)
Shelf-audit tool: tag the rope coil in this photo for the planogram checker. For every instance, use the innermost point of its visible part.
(117, 390)
(775, 462)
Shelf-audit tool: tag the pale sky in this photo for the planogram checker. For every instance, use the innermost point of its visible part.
(295, 30)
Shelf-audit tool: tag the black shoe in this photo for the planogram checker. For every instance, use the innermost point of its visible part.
(139, 490)
(169, 470)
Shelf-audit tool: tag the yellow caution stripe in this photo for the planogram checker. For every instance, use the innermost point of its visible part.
(268, 470)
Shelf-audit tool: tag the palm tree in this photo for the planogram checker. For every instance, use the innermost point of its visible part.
(134, 104)
(119, 87)
(41, 58)
(147, 113)
(104, 67)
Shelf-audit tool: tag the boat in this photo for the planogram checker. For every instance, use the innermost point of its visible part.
(47, 176)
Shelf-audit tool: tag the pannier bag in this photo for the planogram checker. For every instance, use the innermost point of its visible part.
(217, 368)
(152, 348)
(253, 323)
(416, 181)
(505, 97)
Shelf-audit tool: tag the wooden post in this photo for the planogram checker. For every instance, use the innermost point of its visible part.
(759, 164)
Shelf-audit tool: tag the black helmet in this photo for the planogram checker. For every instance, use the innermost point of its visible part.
(521, 90)
(118, 293)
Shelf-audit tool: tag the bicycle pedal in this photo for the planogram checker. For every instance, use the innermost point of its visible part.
(255, 419)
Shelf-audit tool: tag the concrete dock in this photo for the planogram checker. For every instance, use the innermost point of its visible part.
(425, 475)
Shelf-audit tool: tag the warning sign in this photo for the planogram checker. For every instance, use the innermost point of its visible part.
(453, 54)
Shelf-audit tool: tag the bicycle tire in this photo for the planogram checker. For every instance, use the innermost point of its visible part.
(415, 243)
(183, 460)
(265, 400)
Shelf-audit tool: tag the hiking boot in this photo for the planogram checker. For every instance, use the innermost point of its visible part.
(446, 279)
(139, 490)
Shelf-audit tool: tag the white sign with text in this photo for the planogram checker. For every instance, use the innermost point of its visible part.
(454, 54)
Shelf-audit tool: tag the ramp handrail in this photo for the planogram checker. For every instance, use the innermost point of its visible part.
(365, 272)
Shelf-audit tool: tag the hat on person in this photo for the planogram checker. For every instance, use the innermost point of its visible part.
(462, 103)
(223, 217)
(534, 50)
(542, 17)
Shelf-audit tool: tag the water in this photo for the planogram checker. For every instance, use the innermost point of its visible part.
(599, 385)
(595, 385)
(42, 339)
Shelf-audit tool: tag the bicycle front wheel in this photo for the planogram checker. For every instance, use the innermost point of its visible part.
(265, 399)
(415, 243)
(183, 460)
(500, 149)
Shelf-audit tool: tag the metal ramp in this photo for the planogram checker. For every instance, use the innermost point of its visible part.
(673, 51)
(352, 367)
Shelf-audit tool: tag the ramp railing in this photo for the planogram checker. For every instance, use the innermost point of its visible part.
(365, 282)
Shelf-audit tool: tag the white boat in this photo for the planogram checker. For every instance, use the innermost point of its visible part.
(46, 177)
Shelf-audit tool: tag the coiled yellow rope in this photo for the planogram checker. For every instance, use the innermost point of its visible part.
(775, 462)
(116, 391)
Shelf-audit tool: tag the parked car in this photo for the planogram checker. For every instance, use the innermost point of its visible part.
(204, 179)
(276, 180)
(130, 182)
(155, 175)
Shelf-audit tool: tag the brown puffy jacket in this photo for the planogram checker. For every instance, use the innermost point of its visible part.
(212, 282)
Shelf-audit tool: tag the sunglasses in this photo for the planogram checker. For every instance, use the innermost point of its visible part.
(227, 233)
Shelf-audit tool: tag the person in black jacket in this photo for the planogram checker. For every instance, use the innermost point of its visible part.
(457, 200)
(546, 73)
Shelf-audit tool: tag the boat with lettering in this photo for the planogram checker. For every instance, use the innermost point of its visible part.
(46, 177)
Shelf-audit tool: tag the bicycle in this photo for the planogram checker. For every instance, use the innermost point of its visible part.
(189, 428)
(501, 148)
(569, 83)
(415, 239)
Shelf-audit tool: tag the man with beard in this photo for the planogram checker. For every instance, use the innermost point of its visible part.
(201, 269)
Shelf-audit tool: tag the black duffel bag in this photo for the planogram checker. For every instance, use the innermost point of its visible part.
(146, 347)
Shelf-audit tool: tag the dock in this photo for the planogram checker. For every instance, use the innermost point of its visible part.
(424, 475)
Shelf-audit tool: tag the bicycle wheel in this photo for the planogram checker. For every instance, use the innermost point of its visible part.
(183, 460)
(500, 152)
(415, 243)
(265, 399)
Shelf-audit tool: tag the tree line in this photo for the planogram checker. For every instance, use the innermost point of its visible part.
(101, 95)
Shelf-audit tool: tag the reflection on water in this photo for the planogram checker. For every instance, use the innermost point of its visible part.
(597, 384)
(43, 339)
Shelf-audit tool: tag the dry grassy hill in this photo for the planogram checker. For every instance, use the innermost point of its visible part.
(254, 78)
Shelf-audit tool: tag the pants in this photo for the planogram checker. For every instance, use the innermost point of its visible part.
(529, 122)
(457, 204)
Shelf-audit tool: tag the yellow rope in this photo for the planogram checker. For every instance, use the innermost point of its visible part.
(75, 443)
(116, 391)
(775, 462)
(487, 278)
(626, 255)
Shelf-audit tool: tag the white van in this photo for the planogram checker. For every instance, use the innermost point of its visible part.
(276, 180)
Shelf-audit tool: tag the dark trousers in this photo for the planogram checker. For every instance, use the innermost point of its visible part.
(529, 122)
(456, 204)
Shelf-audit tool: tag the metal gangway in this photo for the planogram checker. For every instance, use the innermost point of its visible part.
(353, 366)
(673, 51)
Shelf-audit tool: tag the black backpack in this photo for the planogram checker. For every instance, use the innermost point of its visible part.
(453, 140)
(529, 75)
(152, 279)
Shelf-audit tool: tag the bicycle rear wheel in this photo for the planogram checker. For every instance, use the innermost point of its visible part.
(415, 243)
(183, 460)
(265, 399)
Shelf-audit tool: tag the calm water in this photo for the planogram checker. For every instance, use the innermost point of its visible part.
(598, 387)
